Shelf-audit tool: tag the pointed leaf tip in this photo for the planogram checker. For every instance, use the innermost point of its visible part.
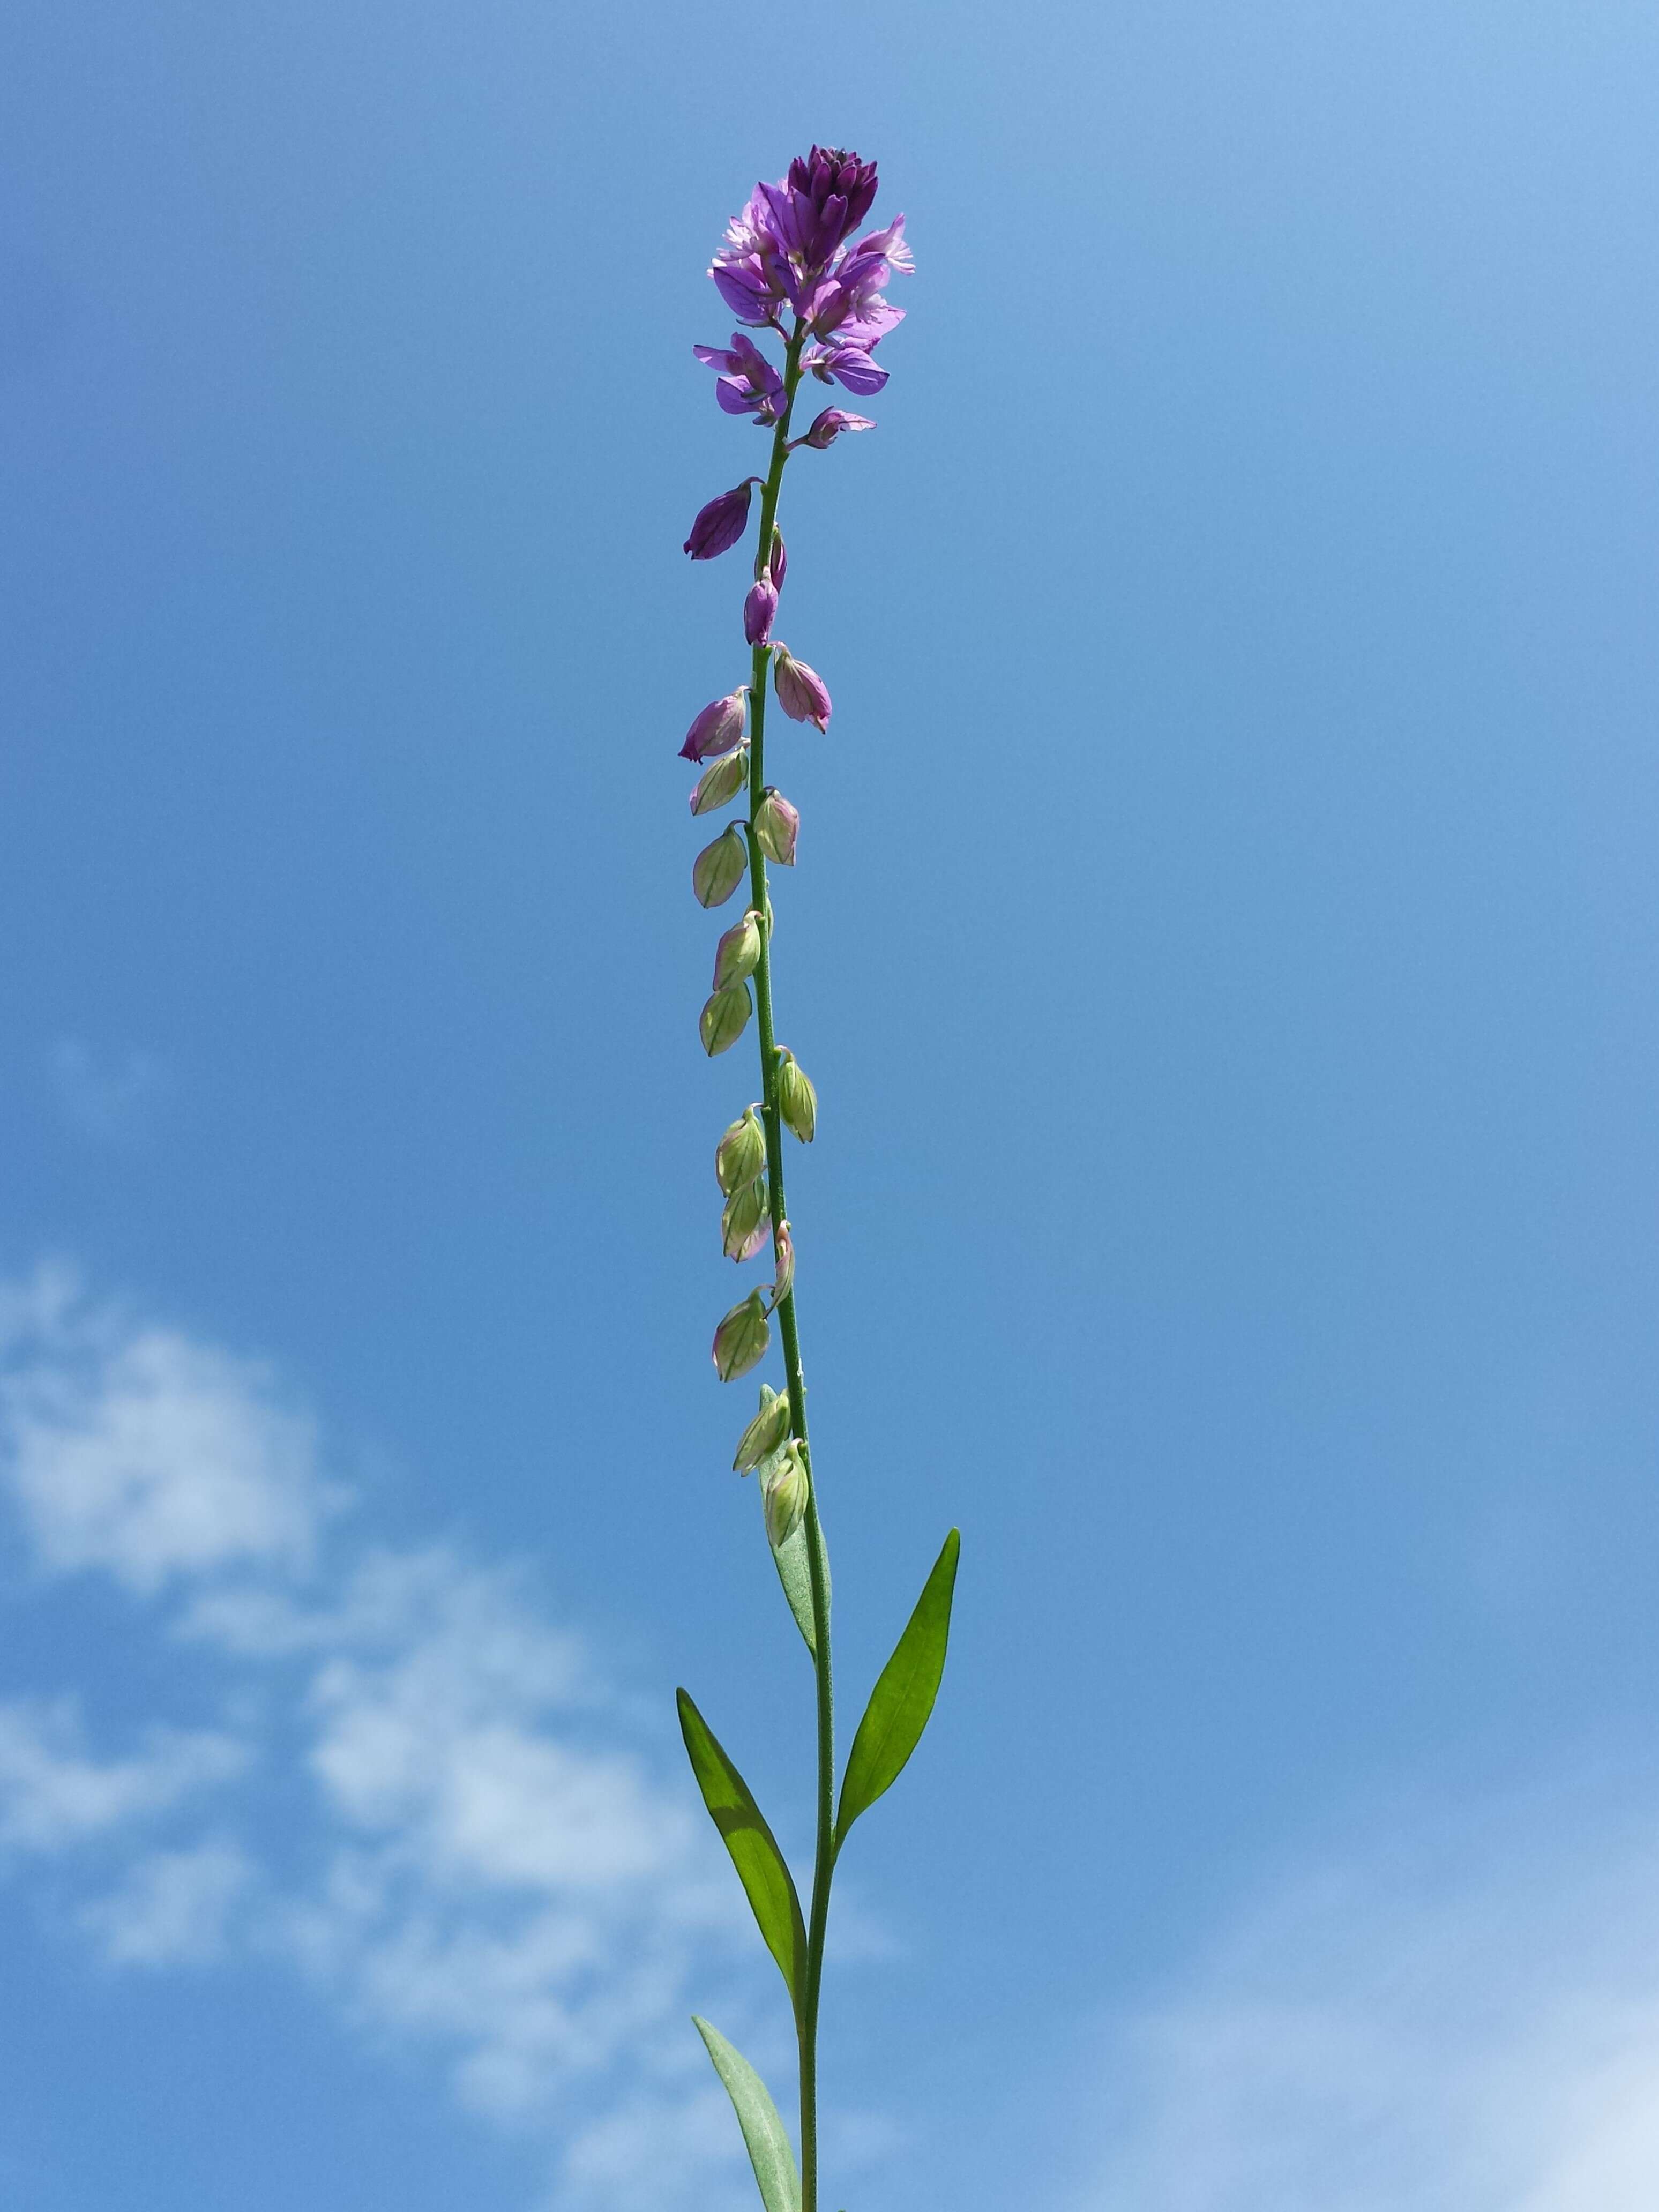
(903, 1699)
(770, 2152)
(767, 1883)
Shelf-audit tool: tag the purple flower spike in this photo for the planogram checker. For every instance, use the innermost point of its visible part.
(822, 201)
(749, 385)
(760, 611)
(828, 427)
(802, 692)
(718, 728)
(722, 522)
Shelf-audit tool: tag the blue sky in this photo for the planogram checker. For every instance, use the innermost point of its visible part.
(1223, 945)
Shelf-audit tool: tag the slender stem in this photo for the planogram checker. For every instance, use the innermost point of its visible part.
(824, 1858)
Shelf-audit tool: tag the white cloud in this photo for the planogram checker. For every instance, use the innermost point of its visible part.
(54, 1793)
(137, 1451)
(476, 1855)
(174, 1908)
(1464, 2017)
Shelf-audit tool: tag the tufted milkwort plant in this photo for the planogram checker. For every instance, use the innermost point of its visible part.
(787, 272)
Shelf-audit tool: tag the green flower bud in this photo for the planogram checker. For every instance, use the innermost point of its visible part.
(724, 1018)
(719, 868)
(744, 1220)
(785, 1493)
(741, 1153)
(797, 1102)
(768, 1429)
(777, 825)
(738, 954)
(742, 1338)
(720, 784)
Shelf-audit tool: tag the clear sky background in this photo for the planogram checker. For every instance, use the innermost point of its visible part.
(1223, 943)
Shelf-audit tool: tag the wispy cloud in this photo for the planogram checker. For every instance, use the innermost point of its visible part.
(1462, 2016)
(420, 1793)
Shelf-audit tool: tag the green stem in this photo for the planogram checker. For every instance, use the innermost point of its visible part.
(824, 1858)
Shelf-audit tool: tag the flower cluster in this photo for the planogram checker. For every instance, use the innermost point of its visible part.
(790, 265)
(788, 254)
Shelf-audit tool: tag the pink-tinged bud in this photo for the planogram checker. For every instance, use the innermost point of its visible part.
(718, 728)
(746, 1221)
(722, 523)
(741, 1339)
(777, 825)
(798, 1103)
(719, 784)
(738, 954)
(784, 1491)
(760, 611)
(741, 1153)
(802, 692)
(719, 868)
(723, 1019)
(828, 427)
(780, 561)
(784, 1280)
(768, 1431)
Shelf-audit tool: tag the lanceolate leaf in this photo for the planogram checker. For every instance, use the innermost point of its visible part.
(903, 1697)
(790, 1560)
(769, 1885)
(770, 2152)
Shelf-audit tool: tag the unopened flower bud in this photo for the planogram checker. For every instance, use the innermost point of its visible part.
(741, 1152)
(802, 693)
(797, 1102)
(742, 1338)
(723, 1019)
(738, 954)
(777, 825)
(717, 728)
(765, 1432)
(719, 868)
(745, 1220)
(784, 1281)
(760, 610)
(780, 561)
(722, 523)
(719, 785)
(828, 427)
(785, 1493)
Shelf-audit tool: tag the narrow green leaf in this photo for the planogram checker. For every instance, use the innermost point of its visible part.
(766, 1879)
(795, 1573)
(903, 1697)
(770, 2152)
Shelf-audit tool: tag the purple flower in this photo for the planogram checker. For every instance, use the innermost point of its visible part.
(749, 271)
(828, 427)
(722, 523)
(850, 365)
(889, 244)
(802, 693)
(760, 611)
(718, 728)
(780, 560)
(749, 386)
(820, 202)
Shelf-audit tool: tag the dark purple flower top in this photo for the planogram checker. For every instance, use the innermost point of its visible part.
(788, 250)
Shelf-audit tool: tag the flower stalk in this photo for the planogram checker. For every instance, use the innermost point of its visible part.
(786, 268)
